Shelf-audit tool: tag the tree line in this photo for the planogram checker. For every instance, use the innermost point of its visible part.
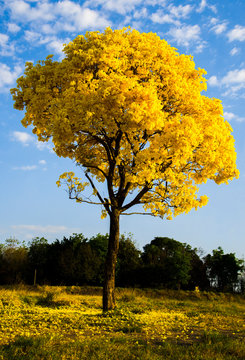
(77, 260)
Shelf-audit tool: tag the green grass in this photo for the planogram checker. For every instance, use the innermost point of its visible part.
(212, 347)
(68, 323)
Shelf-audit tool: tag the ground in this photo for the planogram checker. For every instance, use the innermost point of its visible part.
(47, 322)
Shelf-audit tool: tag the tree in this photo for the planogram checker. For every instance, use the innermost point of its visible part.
(198, 272)
(167, 263)
(223, 269)
(72, 261)
(37, 260)
(99, 244)
(129, 262)
(241, 279)
(128, 109)
(14, 262)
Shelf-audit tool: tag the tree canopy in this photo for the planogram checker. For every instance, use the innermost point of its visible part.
(128, 108)
(168, 262)
(223, 269)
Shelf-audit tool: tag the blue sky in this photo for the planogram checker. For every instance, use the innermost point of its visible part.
(31, 204)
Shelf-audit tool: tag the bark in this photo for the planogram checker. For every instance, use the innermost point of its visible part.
(110, 264)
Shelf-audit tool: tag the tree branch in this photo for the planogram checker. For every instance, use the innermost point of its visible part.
(85, 201)
(138, 213)
(95, 167)
(137, 198)
(106, 205)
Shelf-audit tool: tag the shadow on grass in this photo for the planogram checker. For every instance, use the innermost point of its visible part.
(210, 347)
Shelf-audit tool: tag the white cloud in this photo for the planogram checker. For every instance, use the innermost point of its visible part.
(13, 28)
(240, 119)
(180, 11)
(230, 116)
(18, 7)
(23, 137)
(68, 8)
(234, 51)
(213, 81)
(139, 14)
(185, 35)
(214, 21)
(120, 6)
(40, 145)
(233, 82)
(161, 18)
(79, 18)
(238, 33)
(25, 168)
(6, 49)
(22, 11)
(32, 36)
(3, 39)
(204, 4)
(234, 77)
(50, 229)
(90, 19)
(26, 139)
(31, 231)
(52, 43)
(175, 13)
(199, 48)
(219, 28)
(57, 46)
(66, 16)
(8, 76)
(154, 2)
(42, 162)
(48, 29)
(47, 19)
(29, 167)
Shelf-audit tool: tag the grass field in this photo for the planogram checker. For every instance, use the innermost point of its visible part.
(67, 323)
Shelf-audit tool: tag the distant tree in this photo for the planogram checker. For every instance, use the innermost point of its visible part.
(198, 271)
(129, 111)
(129, 262)
(223, 269)
(37, 260)
(2, 265)
(166, 263)
(52, 265)
(241, 279)
(72, 261)
(99, 244)
(13, 261)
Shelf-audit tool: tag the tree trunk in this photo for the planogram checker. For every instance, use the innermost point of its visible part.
(110, 264)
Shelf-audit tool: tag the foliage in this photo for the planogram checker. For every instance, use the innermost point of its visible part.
(223, 269)
(13, 261)
(167, 263)
(198, 276)
(37, 259)
(128, 108)
(76, 260)
(128, 263)
(73, 261)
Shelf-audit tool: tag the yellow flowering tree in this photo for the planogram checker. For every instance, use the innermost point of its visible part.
(128, 109)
